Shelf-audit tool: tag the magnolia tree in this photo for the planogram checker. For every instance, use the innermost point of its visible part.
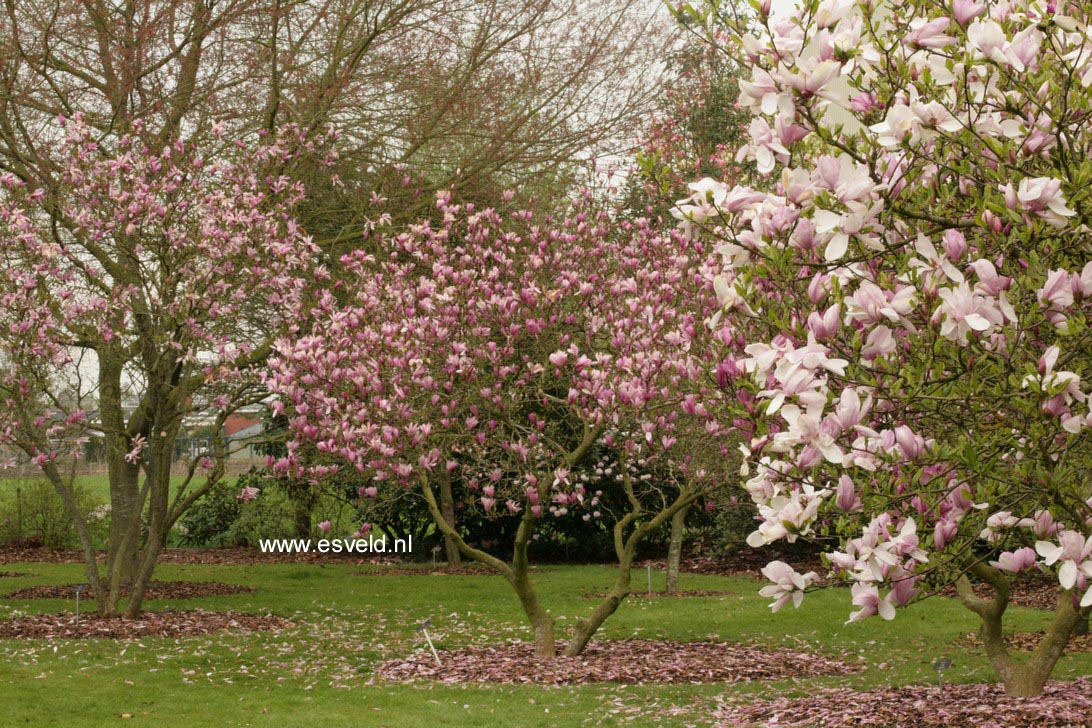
(144, 275)
(913, 287)
(508, 352)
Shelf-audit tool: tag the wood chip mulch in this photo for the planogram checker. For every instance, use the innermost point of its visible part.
(680, 593)
(1029, 641)
(194, 556)
(1062, 705)
(745, 562)
(182, 623)
(428, 571)
(1031, 593)
(613, 661)
(155, 590)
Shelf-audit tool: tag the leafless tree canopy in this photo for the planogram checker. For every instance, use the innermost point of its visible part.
(470, 94)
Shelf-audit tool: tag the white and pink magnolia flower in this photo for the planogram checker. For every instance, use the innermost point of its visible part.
(1016, 561)
(1074, 551)
(870, 304)
(787, 516)
(867, 597)
(1040, 196)
(964, 312)
(788, 584)
(248, 494)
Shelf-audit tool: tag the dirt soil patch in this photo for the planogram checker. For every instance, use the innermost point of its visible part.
(1028, 641)
(613, 661)
(182, 623)
(11, 574)
(155, 590)
(1062, 705)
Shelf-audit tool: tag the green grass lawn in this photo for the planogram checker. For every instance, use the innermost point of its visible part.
(98, 486)
(319, 673)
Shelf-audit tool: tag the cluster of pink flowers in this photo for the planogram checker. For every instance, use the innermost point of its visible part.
(489, 347)
(908, 315)
(170, 266)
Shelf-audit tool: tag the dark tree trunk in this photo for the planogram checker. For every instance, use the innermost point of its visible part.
(674, 549)
(447, 508)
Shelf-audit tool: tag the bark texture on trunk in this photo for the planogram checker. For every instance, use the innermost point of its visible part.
(447, 509)
(1026, 679)
(674, 549)
(629, 532)
(1081, 627)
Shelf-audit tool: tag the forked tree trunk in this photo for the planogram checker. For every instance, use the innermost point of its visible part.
(516, 572)
(1027, 679)
(625, 548)
(542, 622)
(586, 628)
(674, 549)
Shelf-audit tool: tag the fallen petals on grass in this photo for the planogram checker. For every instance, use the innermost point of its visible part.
(1028, 641)
(155, 590)
(617, 661)
(182, 623)
(1062, 705)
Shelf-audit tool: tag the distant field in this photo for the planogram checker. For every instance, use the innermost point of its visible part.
(98, 486)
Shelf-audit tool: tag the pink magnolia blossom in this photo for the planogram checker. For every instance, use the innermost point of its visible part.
(1074, 551)
(788, 585)
(867, 597)
(248, 494)
(1016, 561)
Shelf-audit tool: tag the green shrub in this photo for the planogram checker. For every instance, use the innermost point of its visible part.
(33, 515)
(220, 519)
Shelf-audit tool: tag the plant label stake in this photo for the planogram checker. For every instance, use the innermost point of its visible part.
(940, 666)
(650, 579)
(423, 629)
(78, 590)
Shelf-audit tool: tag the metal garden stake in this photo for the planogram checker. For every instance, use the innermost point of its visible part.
(78, 590)
(423, 629)
(940, 666)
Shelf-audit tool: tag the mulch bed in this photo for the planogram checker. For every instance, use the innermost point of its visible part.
(613, 661)
(425, 571)
(11, 574)
(1031, 593)
(194, 556)
(155, 590)
(1062, 705)
(182, 623)
(744, 562)
(1028, 641)
(680, 593)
